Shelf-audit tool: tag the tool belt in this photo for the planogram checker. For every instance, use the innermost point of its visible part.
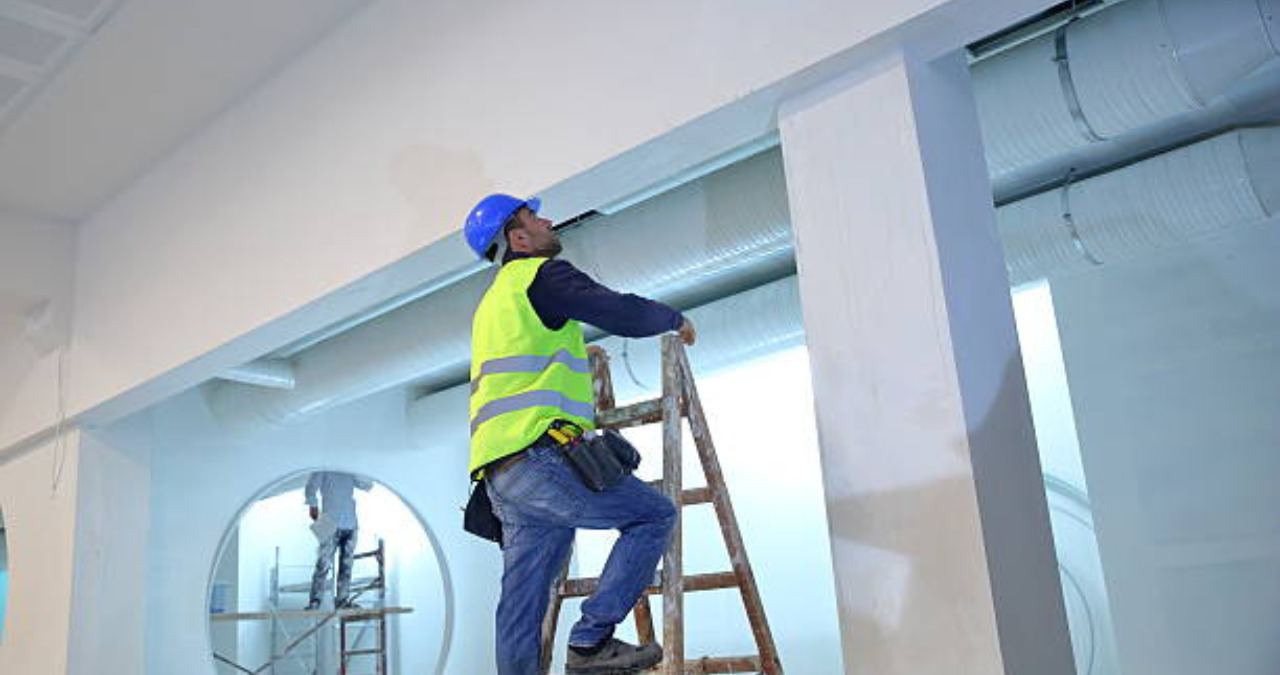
(601, 459)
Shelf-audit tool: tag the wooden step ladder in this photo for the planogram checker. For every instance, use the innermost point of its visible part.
(679, 399)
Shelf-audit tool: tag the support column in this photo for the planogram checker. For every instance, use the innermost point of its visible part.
(109, 591)
(940, 532)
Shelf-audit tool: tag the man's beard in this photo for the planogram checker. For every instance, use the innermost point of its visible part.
(551, 249)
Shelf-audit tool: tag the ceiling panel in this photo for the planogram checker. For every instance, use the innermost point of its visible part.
(10, 87)
(91, 122)
(77, 9)
(29, 44)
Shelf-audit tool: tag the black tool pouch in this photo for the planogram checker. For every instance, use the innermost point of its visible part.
(478, 517)
(603, 459)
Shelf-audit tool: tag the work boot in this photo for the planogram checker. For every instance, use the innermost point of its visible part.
(614, 657)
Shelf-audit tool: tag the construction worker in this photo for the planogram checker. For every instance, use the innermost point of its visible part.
(337, 497)
(529, 375)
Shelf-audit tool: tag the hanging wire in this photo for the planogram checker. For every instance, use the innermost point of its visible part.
(1069, 222)
(59, 440)
(626, 361)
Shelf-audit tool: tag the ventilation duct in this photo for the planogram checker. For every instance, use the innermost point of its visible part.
(1230, 180)
(723, 233)
(750, 324)
(1121, 69)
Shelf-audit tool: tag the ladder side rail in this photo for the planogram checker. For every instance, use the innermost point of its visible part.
(602, 383)
(672, 486)
(552, 615)
(750, 591)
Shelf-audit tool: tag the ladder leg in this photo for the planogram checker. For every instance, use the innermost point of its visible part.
(644, 621)
(602, 380)
(701, 432)
(672, 486)
(382, 645)
(342, 646)
(552, 616)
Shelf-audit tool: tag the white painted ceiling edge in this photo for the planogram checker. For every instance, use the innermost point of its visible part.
(1130, 66)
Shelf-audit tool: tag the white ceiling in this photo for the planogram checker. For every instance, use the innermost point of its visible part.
(93, 109)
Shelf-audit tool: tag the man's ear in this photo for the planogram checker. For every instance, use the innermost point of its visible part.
(517, 238)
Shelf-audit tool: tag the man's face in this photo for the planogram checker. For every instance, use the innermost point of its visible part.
(534, 235)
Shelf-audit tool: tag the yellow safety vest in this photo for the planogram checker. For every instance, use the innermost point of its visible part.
(523, 375)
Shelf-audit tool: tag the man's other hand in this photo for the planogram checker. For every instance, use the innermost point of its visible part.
(688, 334)
(315, 513)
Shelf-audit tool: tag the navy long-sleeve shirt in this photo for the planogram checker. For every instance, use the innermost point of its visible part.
(561, 292)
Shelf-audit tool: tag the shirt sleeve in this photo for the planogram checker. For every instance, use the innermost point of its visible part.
(313, 484)
(561, 292)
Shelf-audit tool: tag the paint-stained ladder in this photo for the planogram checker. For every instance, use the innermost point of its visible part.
(679, 400)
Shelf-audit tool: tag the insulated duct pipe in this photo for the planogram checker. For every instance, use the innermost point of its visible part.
(754, 323)
(1230, 180)
(1121, 69)
(727, 231)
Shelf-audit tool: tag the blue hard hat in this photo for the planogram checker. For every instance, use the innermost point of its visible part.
(485, 221)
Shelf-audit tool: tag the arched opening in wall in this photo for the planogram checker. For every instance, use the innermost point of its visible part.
(4, 573)
(325, 572)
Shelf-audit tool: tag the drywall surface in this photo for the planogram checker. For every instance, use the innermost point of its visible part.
(36, 280)
(1174, 368)
(377, 141)
(202, 478)
(109, 581)
(38, 498)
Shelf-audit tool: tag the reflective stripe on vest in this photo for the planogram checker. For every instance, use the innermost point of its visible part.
(529, 364)
(530, 399)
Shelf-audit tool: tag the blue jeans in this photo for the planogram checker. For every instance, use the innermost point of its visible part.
(540, 501)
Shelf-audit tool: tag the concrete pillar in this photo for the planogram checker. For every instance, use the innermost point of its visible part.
(940, 532)
(109, 592)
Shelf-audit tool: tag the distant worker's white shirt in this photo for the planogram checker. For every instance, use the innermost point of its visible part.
(337, 493)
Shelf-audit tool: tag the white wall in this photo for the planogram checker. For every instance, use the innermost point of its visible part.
(376, 142)
(202, 478)
(40, 522)
(109, 580)
(1174, 368)
(36, 281)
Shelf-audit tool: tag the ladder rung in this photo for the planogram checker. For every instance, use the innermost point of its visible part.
(580, 588)
(700, 495)
(724, 664)
(361, 652)
(644, 412)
